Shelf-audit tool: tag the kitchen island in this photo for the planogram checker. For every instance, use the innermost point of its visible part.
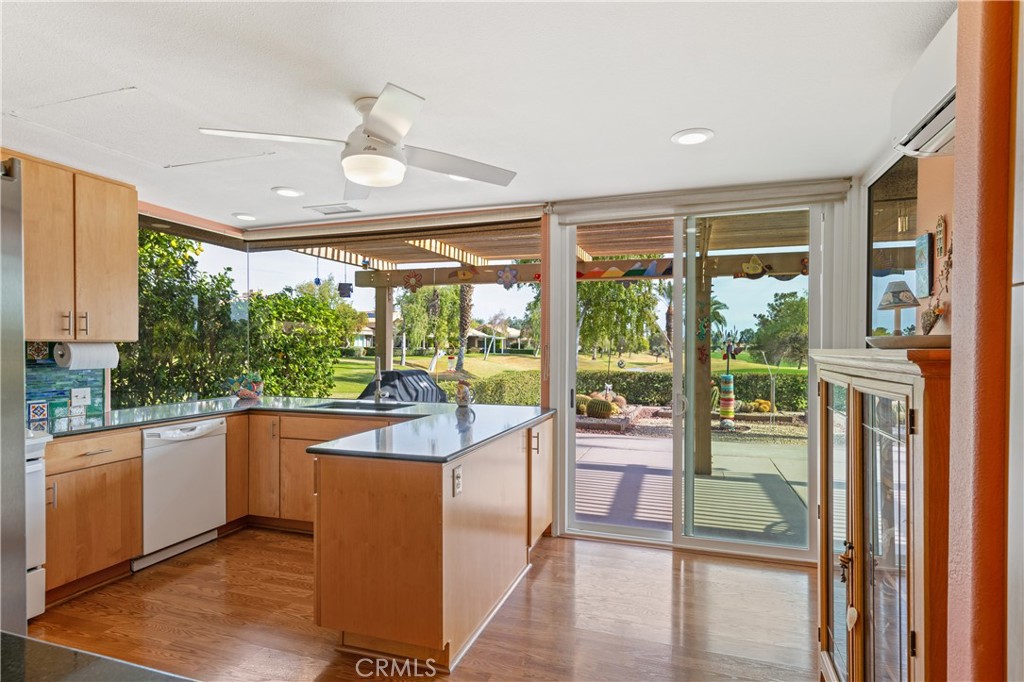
(422, 529)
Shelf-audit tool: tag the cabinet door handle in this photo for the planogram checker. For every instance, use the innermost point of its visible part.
(316, 476)
(70, 328)
(273, 429)
(96, 452)
(85, 318)
(53, 499)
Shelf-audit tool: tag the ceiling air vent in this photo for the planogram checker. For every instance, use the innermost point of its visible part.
(332, 209)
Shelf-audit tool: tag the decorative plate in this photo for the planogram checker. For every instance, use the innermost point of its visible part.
(930, 341)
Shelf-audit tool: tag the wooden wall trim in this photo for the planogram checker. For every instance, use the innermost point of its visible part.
(979, 384)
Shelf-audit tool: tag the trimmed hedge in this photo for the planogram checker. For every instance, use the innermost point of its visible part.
(639, 388)
(790, 389)
(353, 352)
(515, 387)
(511, 387)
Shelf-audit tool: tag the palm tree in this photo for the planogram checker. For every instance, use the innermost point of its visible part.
(465, 321)
(665, 292)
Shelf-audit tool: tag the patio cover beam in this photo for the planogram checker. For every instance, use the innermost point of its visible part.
(440, 248)
(340, 255)
(582, 255)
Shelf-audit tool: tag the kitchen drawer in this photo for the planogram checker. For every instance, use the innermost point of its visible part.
(323, 429)
(80, 452)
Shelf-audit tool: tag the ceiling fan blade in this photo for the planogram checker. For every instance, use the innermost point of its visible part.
(354, 191)
(392, 114)
(273, 137)
(439, 162)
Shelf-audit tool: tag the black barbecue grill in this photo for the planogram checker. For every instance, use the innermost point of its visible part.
(407, 385)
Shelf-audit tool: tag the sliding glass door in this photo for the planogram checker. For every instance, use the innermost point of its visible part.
(691, 381)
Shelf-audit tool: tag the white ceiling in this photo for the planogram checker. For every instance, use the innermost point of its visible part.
(579, 99)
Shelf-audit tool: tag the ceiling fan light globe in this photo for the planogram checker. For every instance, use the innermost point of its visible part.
(373, 169)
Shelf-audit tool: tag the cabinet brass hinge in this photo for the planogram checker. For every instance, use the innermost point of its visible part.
(912, 422)
(819, 512)
(913, 643)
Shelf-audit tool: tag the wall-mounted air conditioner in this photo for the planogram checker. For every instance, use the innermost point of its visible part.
(924, 106)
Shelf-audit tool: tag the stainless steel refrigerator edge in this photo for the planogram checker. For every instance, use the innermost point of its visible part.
(12, 401)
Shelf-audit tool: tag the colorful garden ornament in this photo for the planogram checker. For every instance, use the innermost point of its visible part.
(412, 281)
(508, 277)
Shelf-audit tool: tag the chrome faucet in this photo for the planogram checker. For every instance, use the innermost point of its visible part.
(378, 394)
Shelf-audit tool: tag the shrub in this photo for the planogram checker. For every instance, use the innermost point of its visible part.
(599, 409)
(353, 352)
(511, 387)
(581, 404)
(790, 389)
(643, 388)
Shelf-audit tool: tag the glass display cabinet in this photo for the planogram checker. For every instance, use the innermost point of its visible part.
(882, 571)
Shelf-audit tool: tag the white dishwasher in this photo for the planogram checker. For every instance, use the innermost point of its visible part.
(183, 488)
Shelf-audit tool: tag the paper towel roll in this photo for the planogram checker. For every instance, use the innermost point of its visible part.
(86, 355)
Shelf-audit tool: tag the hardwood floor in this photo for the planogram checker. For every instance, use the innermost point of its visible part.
(241, 609)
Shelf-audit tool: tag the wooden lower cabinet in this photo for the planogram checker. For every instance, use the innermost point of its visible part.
(265, 465)
(237, 467)
(93, 520)
(280, 470)
(541, 449)
(297, 500)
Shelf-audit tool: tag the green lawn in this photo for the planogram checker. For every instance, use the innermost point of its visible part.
(351, 375)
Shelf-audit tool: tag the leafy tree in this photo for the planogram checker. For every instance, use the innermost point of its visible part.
(351, 320)
(419, 324)
(615, 315)
(192, 328)
(782, 331)
(294, 341)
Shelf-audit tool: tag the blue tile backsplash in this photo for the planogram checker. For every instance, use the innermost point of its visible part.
(45, 381)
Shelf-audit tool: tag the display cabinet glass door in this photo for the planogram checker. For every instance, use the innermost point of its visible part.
(835, 544)
(886, 530)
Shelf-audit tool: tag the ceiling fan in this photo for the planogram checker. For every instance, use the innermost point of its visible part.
(373, 154)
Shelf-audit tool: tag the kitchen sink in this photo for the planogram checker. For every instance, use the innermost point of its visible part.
(360, 405)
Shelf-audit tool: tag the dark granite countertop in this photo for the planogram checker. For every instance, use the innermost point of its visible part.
(23, 659)
(445, 435)
(429, 432)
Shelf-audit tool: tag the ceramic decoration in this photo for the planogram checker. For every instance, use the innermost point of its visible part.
(412, 281)
(463, 394)
(38, 409)
(754, 269)
(508, 277)
(464, 274)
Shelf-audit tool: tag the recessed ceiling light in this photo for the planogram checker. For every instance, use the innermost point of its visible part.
(458, 178)
(244, 216)
(693, 136)
(287, 191)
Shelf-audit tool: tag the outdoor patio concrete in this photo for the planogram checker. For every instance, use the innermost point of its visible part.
(757, 491)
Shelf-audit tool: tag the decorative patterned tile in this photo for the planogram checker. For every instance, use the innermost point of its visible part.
(76, 411)
(77, 422)
(37, 350)
(38, 409)
(38, 425)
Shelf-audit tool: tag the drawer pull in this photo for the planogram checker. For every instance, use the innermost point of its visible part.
(96, 452)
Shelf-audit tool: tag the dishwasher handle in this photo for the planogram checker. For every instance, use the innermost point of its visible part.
(186, 432)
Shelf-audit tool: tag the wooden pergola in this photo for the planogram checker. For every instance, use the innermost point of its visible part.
(482, 254)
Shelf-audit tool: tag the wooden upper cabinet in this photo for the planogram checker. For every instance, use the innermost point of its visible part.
(81, 254)
(106, 261)
(48, 220)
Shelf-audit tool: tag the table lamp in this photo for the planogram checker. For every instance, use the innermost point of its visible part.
(896, 297)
